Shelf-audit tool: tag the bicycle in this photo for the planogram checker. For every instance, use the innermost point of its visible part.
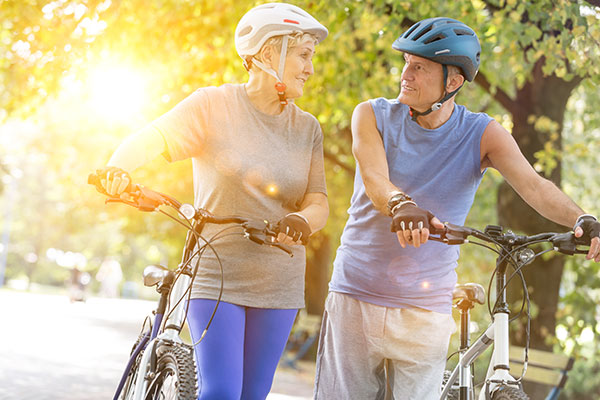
(512, 250)
(161, 364)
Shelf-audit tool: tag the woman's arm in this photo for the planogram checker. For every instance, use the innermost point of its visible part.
(136, 150)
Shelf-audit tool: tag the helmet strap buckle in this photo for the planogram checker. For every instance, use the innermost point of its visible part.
(436, 106)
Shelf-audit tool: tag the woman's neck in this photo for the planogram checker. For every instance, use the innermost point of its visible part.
(262, 94)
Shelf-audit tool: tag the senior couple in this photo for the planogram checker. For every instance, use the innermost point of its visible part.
(420, 160)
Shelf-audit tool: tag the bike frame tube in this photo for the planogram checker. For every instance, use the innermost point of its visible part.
(498, 370)
(464, 377)
(176, 316)
(469, 356)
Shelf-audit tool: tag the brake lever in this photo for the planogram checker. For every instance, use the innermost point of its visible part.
(451, 234)
(260, 232)
(567, 243)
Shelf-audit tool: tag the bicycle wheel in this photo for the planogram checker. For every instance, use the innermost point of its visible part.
(175, 377)
(128, 388)
(453, 393)
(509, 393)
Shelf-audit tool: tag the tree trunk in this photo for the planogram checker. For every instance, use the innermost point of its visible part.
(317, 273)
(542, 96)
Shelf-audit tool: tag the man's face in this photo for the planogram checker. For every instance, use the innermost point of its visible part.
(422, 82)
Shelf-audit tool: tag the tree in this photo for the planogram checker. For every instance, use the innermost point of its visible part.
(538, 60)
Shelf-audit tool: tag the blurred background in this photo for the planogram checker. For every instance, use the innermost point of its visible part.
(77, 77)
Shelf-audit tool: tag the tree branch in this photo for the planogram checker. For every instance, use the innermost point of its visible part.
(500, 96)
(335, 160)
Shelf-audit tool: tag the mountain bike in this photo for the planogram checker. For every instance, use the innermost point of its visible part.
(161, 365)
(513, 250)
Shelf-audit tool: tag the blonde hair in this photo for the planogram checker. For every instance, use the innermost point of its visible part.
(295, 39)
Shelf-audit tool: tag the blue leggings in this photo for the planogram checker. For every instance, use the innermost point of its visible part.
(239, 354)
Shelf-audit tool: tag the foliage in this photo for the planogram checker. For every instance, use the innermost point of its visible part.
(49, 49)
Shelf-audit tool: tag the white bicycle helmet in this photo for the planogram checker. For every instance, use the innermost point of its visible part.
(266, 21)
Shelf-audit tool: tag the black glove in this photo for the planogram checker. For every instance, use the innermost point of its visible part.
(590, 226)
(295, 227)
(114, 177)
(409, 216)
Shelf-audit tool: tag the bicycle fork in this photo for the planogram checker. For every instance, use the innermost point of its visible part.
(173, 325)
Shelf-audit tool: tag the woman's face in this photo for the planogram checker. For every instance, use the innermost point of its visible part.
(298, 67)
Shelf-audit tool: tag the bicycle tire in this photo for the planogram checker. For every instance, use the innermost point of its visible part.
(509, 393)
(128, 388)
(175, 377)
(453, 394)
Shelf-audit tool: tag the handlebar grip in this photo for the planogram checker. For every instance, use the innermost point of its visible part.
(437, 231)
(94, 179)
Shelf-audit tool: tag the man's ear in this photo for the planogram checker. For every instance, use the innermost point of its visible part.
(454, 82)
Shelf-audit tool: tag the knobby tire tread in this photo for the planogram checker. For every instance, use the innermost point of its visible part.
(509, 393)
(176, 359)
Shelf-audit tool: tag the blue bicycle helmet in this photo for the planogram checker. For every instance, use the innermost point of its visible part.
(445, 41)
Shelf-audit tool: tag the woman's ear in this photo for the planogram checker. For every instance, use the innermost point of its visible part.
(267, 55)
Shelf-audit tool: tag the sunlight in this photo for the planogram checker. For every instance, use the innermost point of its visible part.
(117, 92)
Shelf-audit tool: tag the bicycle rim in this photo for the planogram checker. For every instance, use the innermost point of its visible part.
(129, 387)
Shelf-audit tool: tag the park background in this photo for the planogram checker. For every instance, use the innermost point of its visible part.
(77, 77)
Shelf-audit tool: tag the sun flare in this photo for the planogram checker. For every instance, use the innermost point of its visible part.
(117, 92)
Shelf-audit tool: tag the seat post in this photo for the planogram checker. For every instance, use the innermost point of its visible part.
(464, 306)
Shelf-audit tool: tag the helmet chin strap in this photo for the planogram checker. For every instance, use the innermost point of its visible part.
(414, 114)
(279, 85)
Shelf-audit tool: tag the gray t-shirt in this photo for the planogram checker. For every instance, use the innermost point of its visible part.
(251, 164)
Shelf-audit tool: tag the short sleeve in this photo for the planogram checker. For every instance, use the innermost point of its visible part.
(184, 126)
(316, 177)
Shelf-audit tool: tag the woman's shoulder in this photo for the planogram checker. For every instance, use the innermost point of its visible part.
(302, 117)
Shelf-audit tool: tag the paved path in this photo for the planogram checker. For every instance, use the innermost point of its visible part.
(51, 349)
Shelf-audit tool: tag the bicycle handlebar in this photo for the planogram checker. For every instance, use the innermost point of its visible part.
(146, 199)
(565, 242)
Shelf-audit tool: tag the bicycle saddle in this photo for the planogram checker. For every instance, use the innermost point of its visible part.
(472, 292)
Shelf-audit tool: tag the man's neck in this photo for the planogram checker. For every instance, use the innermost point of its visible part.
(437, 118)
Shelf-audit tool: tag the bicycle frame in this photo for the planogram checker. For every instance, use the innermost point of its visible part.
(497, 334)
(173, 294)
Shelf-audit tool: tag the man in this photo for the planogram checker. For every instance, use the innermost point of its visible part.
(421, 158)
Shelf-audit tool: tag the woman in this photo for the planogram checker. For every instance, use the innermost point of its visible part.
(255, 153)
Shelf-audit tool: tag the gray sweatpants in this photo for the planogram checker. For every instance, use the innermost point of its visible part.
(365, 347)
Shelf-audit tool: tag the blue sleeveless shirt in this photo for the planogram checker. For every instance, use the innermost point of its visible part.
(441, 170)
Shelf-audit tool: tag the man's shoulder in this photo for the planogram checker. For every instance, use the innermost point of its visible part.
(387, 107)
(471, 115)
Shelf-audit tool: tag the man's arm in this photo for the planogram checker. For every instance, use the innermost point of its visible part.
(369, 152)
(500, 151)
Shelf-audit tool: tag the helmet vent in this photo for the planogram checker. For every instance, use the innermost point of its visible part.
(462, 32)
(424, 31)
(435, 38)
(411, 30)
(245, 31)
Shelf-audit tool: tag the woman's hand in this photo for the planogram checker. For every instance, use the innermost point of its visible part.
(293, 229)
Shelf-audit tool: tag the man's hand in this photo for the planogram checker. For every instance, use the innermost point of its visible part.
(411, 224)
(293, 229)
(589, 227)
